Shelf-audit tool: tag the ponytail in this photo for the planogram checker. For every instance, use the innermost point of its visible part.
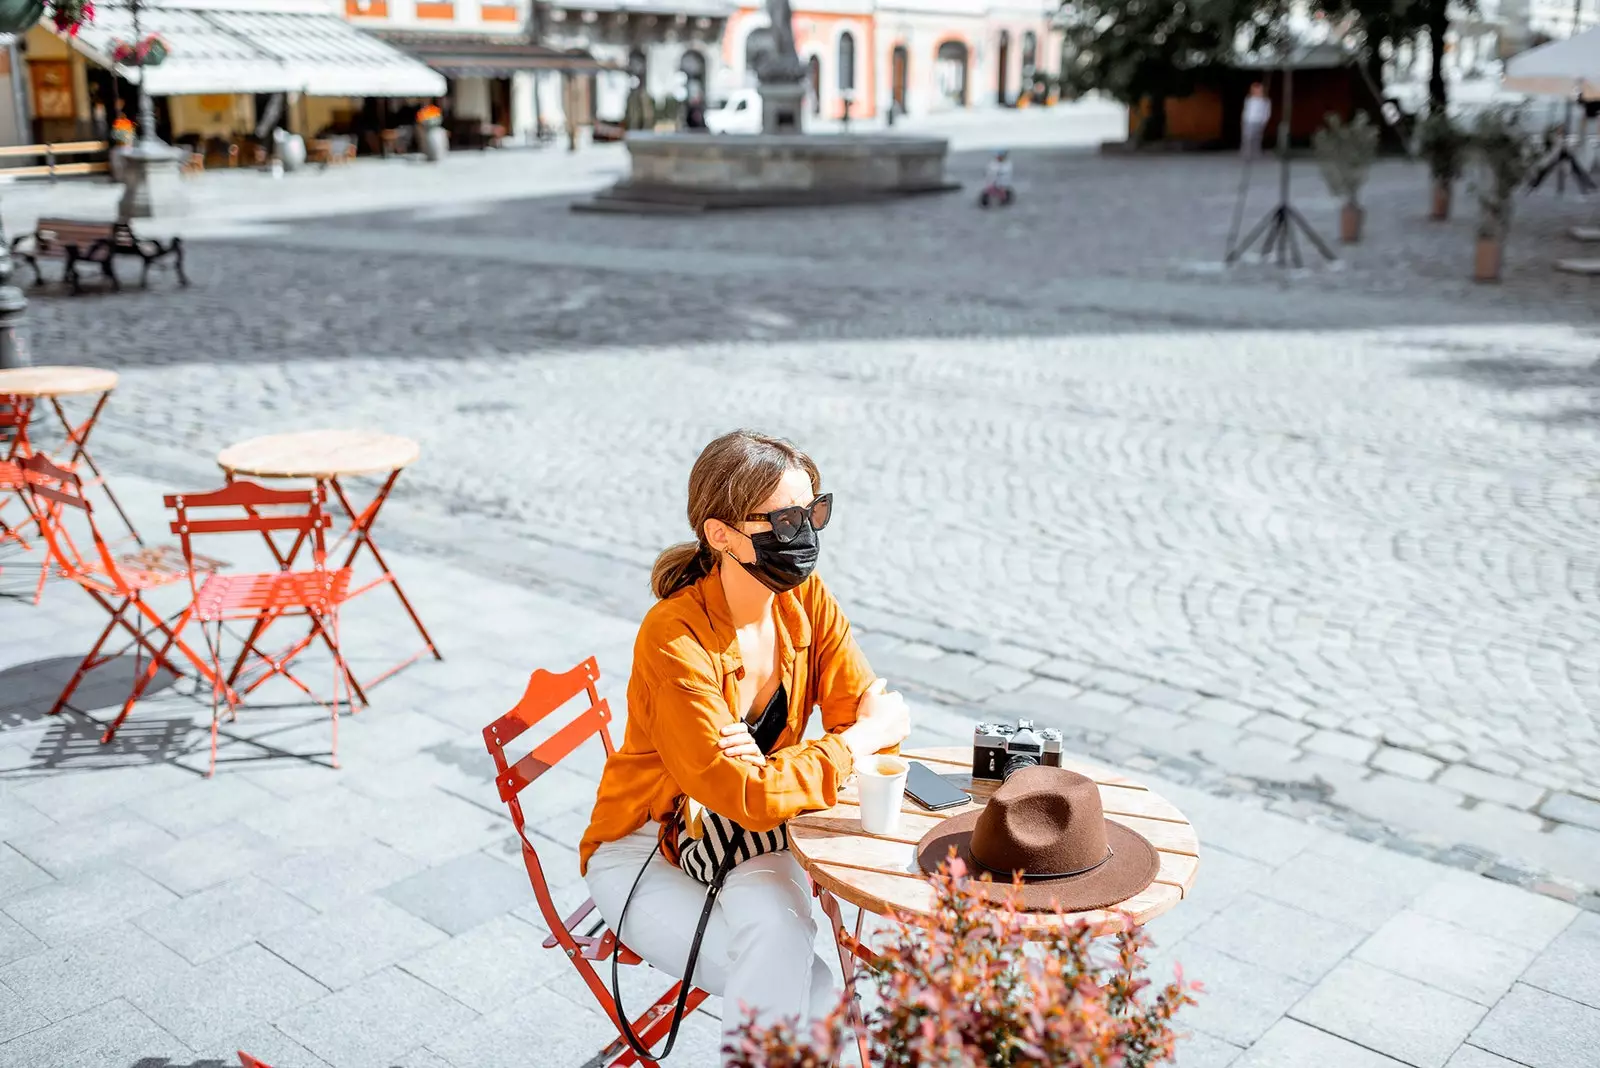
(679, 566)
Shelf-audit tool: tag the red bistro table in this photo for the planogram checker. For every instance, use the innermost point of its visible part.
(327, 456)
(22, 388)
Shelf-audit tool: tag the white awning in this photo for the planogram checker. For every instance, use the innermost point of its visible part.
(1560, 68)
(223, 50)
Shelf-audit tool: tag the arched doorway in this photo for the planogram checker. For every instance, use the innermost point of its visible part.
(693, 67)
(814, 83)
(1002, 67)
(898, 74)
(950, 73)
(755, 46)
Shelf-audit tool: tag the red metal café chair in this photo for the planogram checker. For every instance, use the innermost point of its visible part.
(546, 694)
(265, 597)
(118, 582)
(14, 413)
(247, 1061)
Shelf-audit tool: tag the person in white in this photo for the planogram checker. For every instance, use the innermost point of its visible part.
(998, 177)
(1257, 110)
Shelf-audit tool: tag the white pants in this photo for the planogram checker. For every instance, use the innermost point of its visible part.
(759, 946)
(1250, 139)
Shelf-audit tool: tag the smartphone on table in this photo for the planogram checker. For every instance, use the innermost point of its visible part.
(928, 789)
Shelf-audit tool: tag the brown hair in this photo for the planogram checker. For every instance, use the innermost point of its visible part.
(733, 475)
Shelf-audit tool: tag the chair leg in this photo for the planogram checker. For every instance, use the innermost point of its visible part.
(88, 662)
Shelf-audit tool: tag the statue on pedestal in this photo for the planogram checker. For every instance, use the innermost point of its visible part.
(781, 75)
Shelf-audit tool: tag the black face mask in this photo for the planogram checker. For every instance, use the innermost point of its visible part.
(780, 566)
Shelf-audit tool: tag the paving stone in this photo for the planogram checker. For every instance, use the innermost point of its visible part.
(1063, 669)
(502, 1038)
(1473, 1057)
(1341, 745)
(1491, 787)
(1567, 966)
(1291, 1044)
(1014, 656)
(1200, 1050)
(63, 980)
(114, 1033)
(267, 1044)
(326, 877)
(72, 847)
(1327, 886)
(1495, 909)
(952, 673)
(16, 1017)
(1221, 710)
(1446, 957)
(1109, 680)
(352, 940)
(15, 941)
(383, 1016)
(1405, 763)
(71, 907)
(1003, 677)
(1241, 1001)
(1279, 727)
(459, 894)
(199, 805)
(1169, 698)
(207, 1007)
(434, 827)
(223, 918)
(209, 857)
(1271, 935)
(1396, 1016)
(19, 874)
(494, 964)
(1540, 1030)
(1253, 834)
(1574, 851)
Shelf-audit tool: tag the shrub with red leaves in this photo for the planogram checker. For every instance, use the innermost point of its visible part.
(972, 989)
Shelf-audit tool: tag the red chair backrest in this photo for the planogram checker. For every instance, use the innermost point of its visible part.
(299, 510)
(55, 489)
(545, 694)
(247, 1061)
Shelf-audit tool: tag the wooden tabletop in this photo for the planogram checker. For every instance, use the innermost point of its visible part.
(880, 874)
(56, 381)
(319, 454)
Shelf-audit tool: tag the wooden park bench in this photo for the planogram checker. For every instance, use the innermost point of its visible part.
(78, 241)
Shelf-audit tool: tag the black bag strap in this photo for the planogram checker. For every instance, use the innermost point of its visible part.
(623, 1023)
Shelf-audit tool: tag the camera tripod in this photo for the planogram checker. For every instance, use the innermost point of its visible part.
(1279, 224)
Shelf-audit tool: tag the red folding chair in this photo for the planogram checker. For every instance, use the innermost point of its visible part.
(14, 413)
(265, 597)
(118, 582)
(247, 1061)
(546, 693)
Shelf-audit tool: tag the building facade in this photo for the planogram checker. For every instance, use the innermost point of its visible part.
(915, 56)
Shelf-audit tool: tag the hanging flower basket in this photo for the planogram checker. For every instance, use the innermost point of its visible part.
(19, 16)
(68, 16)
(150, 52)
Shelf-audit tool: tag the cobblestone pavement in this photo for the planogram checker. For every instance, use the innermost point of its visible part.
(1327, 537)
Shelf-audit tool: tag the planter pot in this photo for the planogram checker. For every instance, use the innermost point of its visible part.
(19, 16)
(1486, 265)
(1350, 219)
(435, 143)
(1441, 201)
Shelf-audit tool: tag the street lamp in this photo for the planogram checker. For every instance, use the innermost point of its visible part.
(150, 168)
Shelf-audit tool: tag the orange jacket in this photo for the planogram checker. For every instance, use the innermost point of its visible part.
(683, 691)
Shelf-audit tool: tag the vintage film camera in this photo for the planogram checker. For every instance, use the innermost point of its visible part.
(998, 749)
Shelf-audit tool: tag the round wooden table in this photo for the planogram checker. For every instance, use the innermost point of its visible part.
(880, 874)
(327, 456)
(56, 381)
(324, 455)
(21, 388)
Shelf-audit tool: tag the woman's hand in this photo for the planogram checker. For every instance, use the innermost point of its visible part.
(737, 742)
(882, 720)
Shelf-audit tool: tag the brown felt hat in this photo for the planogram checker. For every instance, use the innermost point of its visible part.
(1046, 823)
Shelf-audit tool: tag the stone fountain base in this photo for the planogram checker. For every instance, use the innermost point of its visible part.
(693, 172)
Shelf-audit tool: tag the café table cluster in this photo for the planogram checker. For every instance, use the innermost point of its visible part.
(288, 490)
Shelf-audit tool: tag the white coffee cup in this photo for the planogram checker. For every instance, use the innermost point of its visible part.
(881, 781)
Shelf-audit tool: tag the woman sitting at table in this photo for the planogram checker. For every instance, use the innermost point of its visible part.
(726, 668)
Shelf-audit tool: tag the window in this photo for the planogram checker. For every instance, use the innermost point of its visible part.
(1030, 51)
(847, 62)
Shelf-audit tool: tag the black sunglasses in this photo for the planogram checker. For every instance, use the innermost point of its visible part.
(786, 522)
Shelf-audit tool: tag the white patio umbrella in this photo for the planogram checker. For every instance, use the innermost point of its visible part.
(1560, 68)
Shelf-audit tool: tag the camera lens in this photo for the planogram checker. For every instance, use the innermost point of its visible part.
(1023, 750)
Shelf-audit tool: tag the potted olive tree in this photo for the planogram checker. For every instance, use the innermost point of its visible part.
(1444, 145)
(1345, 152)
(1503, 155)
